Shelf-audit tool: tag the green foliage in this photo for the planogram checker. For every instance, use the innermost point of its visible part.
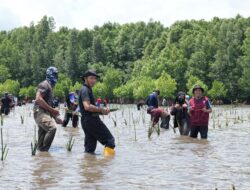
(217, 91)
(63, 85)
(124, 91)
(59, 91)
(112, 79)
(76, 87)
(142, 87)
(166, 84)
(126, 55)
(4, 73)
(28, 92)
(100, 90)
(10, 86)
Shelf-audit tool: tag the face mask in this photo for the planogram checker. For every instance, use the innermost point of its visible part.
(52, 80)
(51, 76)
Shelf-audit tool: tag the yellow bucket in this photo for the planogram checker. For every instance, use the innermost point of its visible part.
(109, 151)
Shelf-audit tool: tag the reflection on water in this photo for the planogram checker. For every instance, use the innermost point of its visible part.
(168, 161)
(47, 170)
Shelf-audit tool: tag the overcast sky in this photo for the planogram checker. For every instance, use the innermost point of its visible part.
(88, 13)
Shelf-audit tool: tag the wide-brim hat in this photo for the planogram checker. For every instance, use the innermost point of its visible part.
(90, 73)
(198, 87)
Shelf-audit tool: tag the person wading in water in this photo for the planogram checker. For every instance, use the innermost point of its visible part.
(71, 106)
(180, 112)
(93, 127)
(199, 109)
(44, 111)
(6, 104)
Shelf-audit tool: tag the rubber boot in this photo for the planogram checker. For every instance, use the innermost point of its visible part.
(109, 151)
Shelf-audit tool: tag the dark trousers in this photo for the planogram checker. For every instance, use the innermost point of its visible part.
(5, 110)
(95, 130)
(203, 130)
(184, 128)
(165, 122)
(71, 116)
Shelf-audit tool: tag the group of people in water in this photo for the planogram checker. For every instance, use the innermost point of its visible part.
(191, 116)
(93, 127)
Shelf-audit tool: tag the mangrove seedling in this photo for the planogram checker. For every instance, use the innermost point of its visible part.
(1, 120)
(4, 147)
(134, 123)
(34, 144)
(125, 122)
(135, 131)
(233, 187)
(22, 119)
(158, 130)
(70, 143)
(114, 121)
(33, 148)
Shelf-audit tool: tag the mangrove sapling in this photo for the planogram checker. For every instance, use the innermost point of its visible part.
(4, 147)
(34, 143)
(226, 121)
(70, 143)
(125, 122)
(122, 112)
(134, 123)
(158, 130)
(233, 187)
(1, 120)
(143, 119)
(22, 119)
(114, 121)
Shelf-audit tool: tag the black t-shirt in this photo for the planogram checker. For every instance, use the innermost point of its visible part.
(85, 94)
(6, 101)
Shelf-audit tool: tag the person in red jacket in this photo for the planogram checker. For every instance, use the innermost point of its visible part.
(199, 109)
(156, 114)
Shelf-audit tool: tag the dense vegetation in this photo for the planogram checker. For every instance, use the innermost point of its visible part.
(133, 58)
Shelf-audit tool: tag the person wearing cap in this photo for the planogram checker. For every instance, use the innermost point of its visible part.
(180, 112)
(44, 111)
(71, 106)
(199, 109)
(152, 100)
(6, 104)
(93, 127)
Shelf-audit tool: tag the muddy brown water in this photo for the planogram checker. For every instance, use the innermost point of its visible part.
(167, 161)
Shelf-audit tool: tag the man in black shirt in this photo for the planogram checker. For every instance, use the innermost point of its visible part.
(6, 104)
(93, 127)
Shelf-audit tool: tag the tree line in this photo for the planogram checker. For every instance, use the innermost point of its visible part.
(133, 59)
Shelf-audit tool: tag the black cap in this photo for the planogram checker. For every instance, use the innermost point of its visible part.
(198, 87)
(90, 73)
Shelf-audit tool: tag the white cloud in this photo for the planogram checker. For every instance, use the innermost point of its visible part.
(87, 13)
